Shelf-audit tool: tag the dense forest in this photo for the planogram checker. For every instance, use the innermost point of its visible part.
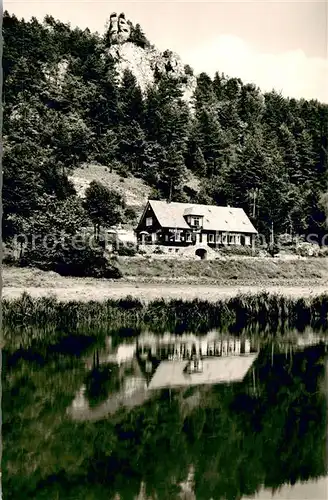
(63, 105)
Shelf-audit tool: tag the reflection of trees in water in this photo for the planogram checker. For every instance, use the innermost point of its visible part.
(37, 441)
(106, 379)
(283, 431)
(102, 381)
(237, 440)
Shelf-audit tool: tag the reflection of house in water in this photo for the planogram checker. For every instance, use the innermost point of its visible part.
(124, 353)
(195, 361)
(185, 348)
(213, 371)
(153, 362)
(149, 351)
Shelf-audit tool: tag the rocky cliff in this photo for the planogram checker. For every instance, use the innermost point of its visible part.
(145, 62)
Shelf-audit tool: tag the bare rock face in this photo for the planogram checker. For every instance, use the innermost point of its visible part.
(56, 74)
(145, 63)
(113, 26)
(123, 27)
(119, 30)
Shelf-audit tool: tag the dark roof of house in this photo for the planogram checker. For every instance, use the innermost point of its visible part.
(171, 215)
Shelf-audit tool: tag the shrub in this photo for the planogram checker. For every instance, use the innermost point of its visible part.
(68, 260)
(127, 250)
(323, 252)
(130, 214)
(237, 250)
(307, 249)
(285, 239)
(8, 255)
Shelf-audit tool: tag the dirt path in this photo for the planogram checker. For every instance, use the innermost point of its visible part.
(148, 292)
(38, 283)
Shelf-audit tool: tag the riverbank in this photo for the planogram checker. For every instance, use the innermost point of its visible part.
(28, 321)
(149, 292)
(295, 279)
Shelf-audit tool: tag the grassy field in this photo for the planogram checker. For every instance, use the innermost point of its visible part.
(135, 191)
(255, 271)
(169, 279)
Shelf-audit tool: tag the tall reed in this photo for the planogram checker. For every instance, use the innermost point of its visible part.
(29, 318)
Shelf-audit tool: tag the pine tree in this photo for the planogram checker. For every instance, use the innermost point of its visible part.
(138, 37)
(204, 94)
(131, 146)
(251, 105)
(172, 175)
(289, 152)
(218, 86)
(131, 99)
(212, 141)
(194, 158)
(306, 157)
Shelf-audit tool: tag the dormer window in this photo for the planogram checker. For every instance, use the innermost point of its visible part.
(149, 221)
(193, 217)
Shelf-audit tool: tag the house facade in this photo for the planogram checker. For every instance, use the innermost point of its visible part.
(176, 225)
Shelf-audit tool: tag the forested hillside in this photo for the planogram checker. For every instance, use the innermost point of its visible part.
(64, 105)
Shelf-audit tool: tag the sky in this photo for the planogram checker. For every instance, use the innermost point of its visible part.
(281, 45)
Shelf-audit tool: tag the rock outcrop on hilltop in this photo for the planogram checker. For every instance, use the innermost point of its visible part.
(119, 29)
(145, 63)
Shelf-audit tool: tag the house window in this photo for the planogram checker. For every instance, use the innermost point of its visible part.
(188, 237)
(196, 221)
(237, 239)
(210, 238)
(149, 221)
(177, 236)
(166, 237)
(247, 240)
(218, 238)
(231, 239)
(224, 239)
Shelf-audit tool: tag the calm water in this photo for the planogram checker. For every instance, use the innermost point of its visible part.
(212, 417)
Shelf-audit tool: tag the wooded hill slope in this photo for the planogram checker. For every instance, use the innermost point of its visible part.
(65, 104)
